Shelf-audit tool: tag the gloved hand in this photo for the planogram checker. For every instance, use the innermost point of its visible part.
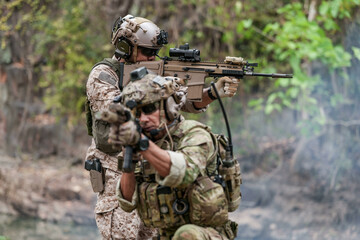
(126, 134)
(226, 87)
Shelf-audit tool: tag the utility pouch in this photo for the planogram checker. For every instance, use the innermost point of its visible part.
(232, 179)
(96, 174)
(156, 206)
(208, 204)
(229, 175)
(148, 209)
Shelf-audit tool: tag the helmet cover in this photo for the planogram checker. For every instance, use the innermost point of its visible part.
(138, 31)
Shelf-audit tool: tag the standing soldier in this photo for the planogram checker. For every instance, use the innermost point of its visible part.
(173, 187)
(136, 39)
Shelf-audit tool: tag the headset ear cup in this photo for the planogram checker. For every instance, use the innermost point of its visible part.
(123, 48)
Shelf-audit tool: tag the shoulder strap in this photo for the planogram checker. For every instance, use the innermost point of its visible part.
(88, 117)
(116, 66)
(181, 131)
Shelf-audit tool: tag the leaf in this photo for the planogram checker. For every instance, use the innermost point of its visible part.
(277, 107)
(239, 27)
(293, 92)
(284, 82)
(247, 23)
(330, 24)
(271, 27)
(255, 102)
(323, 9)
(335, 8)
(356, 52)
(271, 98)
(269, 109)
(228, 36)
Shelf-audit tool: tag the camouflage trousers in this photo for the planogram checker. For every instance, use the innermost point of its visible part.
(117, 224)
(194, 232)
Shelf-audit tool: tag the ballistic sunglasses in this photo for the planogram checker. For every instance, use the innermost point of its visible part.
(149, 52)
(147, 109)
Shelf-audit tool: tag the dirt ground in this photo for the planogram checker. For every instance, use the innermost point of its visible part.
(275, 205)
(279, 206)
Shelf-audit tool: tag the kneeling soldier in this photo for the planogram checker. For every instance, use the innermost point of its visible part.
(170, 186)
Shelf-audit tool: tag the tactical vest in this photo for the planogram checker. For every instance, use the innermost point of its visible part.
(204, 203)
(98, 129)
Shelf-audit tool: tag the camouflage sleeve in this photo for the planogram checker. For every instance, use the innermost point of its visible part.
(189, 107)
(177, 170)
(196, 147)
(125, 204)
(101, 87)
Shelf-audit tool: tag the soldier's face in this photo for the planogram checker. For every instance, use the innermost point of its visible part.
(142, 57)
(150, 121)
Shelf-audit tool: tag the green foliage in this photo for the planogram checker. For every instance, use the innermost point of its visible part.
(34, 11)
(302, 41)
(71, 49)
(356, 52)
(336, 9)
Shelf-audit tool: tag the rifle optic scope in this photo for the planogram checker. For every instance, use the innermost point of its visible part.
(183, 53)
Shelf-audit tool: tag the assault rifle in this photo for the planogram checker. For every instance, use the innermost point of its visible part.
(186, 64)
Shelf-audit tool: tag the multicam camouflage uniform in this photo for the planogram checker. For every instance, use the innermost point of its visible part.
(192, 142)
(112, 221)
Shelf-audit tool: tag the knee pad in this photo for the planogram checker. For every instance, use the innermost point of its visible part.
(187, 232)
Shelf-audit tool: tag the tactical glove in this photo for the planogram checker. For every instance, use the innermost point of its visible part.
(226, 87)
(126, 134)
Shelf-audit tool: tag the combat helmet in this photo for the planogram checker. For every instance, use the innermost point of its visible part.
(168, 94)
(131, 33)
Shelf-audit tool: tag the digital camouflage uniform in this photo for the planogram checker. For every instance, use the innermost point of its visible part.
(112, 221)
(193, 155)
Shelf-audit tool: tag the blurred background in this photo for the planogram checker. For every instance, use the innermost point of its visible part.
(297, 139)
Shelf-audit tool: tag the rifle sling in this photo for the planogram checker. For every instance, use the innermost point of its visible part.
(121, 76)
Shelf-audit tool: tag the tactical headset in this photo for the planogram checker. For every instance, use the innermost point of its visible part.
(123, 48)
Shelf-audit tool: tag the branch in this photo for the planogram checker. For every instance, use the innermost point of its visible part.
(343, 123)
(312, 10)
(258, 30)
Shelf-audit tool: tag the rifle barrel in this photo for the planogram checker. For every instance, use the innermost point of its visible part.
(272, 75)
